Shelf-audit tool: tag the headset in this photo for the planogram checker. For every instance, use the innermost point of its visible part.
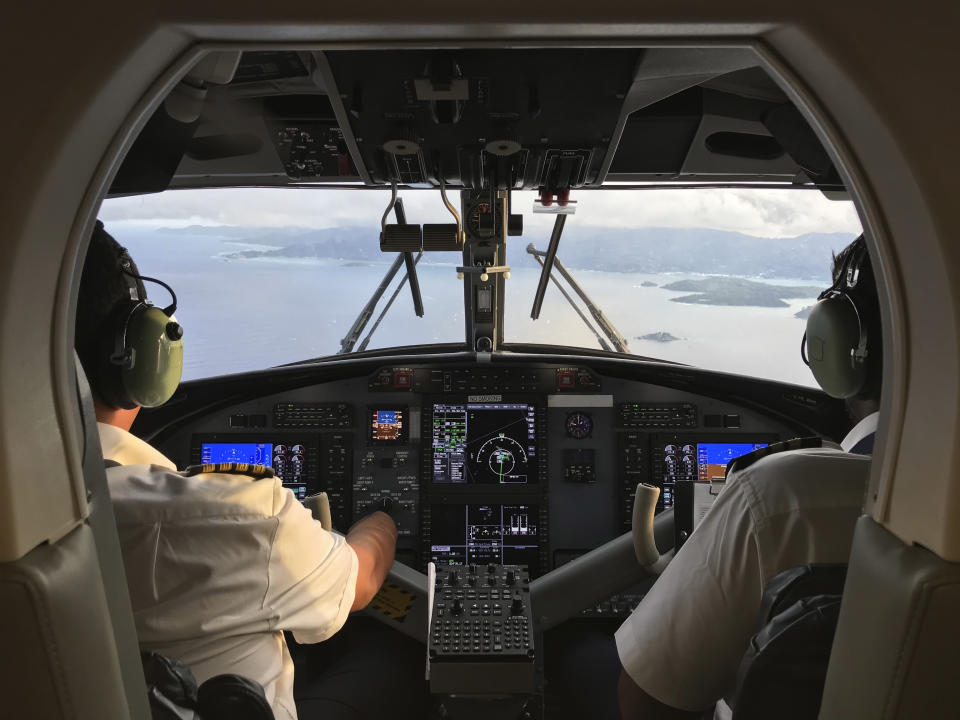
(142, 347)
(835, 344)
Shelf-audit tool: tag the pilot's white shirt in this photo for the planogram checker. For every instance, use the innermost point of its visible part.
(684, 642)
(219, 565)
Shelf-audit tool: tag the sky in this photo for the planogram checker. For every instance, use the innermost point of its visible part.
(764, 213)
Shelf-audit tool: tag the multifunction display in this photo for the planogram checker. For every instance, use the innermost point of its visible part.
(289, 461)
(388, 425)
(484, 443)
(478, 533)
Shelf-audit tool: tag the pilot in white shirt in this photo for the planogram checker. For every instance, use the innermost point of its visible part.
(681, 647)
(683, 643)
(218, 565)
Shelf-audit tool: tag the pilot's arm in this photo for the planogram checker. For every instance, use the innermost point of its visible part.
(374, 540)
(317, 577)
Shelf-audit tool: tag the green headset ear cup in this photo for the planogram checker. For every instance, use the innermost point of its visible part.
(833, 334)
(157, 358)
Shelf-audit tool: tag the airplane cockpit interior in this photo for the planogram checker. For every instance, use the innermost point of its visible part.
(532, 301)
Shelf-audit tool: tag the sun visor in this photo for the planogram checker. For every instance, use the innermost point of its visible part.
(791, 130)
(158, 150)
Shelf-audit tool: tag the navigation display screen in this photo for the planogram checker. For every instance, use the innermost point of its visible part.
(484, 443)
(388, 425)
(698, 461)
(476, 533)
(289, 462)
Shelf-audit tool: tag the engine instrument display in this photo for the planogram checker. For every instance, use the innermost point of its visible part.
(479, 534)
(388, 425)
(484, 443)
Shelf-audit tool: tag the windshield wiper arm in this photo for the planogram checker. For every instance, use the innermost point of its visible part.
(547, 264)
(356, 330)
(616, 339)
(386, 308)
(586, 320)
(353, 334)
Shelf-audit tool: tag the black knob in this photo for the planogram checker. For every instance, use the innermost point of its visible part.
(457, 608)
(516, 607)
(492, 580)
(472, 569)
(491, 568)
(453, 578)
(472, 580)
(174, 331)
(511, 577)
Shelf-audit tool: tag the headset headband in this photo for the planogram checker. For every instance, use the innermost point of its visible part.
(138, 292)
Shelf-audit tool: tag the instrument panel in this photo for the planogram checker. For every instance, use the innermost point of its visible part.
(533, 464)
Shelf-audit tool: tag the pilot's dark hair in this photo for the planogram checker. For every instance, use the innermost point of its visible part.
(867, 300)
(103, 292)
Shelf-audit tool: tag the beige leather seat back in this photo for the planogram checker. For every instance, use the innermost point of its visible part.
(896, 654)
(56, 635)
(68, 646)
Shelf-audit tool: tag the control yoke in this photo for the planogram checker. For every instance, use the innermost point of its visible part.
(319, 507)
(644, 545)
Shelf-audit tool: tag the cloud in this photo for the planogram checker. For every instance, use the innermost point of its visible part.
(765, 213)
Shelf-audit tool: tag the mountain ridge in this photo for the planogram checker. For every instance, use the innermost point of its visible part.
(628, 250)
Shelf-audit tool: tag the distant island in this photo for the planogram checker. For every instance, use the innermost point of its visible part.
(804, 312)
(647, 283)
(662, 337)
(738, 291)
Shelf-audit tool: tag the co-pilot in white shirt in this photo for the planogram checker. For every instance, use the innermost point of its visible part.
(219, 565)
(683, 644)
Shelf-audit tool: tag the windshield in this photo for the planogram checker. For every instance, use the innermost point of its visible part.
(266, 276)
(716, 278)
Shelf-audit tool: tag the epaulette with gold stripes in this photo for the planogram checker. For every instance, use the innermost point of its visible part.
(257, 472)
(745, 461)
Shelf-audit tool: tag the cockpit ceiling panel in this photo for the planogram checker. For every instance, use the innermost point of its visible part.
(524, 118)
(460, 106)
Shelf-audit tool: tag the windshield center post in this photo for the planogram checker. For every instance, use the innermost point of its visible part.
(488, 223)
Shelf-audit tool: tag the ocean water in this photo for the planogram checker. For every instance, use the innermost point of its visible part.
(247, 314)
